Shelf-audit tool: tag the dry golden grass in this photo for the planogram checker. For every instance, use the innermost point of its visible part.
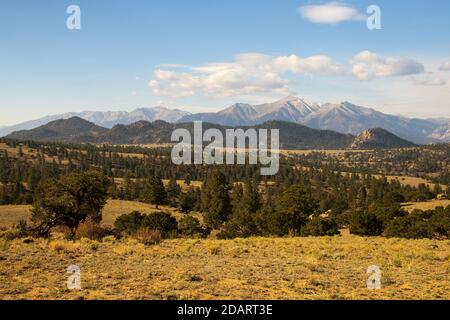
(255, 268)
(411, 181)
(12, 214)
(404, 180)
(426, 205)
(327, 152)
(183, 185)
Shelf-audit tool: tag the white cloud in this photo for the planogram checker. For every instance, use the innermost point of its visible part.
(428, 80)
(248, 74)
(314, 64)
(368, 65)
(171, 65)
(445, 66)
(330, 13)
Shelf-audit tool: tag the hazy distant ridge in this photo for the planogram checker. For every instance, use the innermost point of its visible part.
(292, 135)
(106, 119)
(344, 117)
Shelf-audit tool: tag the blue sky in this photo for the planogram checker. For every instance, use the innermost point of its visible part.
(203, 55)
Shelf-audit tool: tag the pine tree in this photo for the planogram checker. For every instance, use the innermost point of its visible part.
(136, 190)
(69, 200)
(173, 192)
(4, 195)
(215, 200)
(187, 181)
(187, 201)
(128, 189)
(245, 203)
(155, 193)
(295, 205)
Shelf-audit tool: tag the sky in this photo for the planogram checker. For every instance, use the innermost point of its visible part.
(204, 55)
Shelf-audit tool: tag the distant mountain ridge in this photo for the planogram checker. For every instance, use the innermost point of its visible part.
(292, 135)
(73, 129)
(290, 109)
(345, 117)
(106, 119)
(442, 133)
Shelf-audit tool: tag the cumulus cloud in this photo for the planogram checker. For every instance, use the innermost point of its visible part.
(247, 74)
(429, 80)
(330, 13)
(445, 66)
(368, 65)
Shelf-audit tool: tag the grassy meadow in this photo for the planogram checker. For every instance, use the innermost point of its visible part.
(426, 205)
(254, 268)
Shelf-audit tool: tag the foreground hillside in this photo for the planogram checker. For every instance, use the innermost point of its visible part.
(255, 268)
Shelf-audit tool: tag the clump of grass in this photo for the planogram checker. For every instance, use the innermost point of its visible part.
(91, 230)
(397, 261)
(214, 250)
(148, 237)
(124, 249)
(60, 246)
(89, 244)
(109, 239)
(238, 251)
(4, 244)
(130, 241)
(194, 278)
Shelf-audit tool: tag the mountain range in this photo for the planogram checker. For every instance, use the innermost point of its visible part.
(106, 119)
(292, 135)
(345, 117)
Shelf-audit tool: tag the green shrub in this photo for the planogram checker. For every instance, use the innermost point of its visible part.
(69, 200)
(129, 223)
(320, 227)
(228, 232)
(188, 200)
(386, 212)
(420, 224)
(190, 226)
(270, 221)
(294, 206)
(440, 222)
(365, 223)
(413, 226)
(160, 221)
